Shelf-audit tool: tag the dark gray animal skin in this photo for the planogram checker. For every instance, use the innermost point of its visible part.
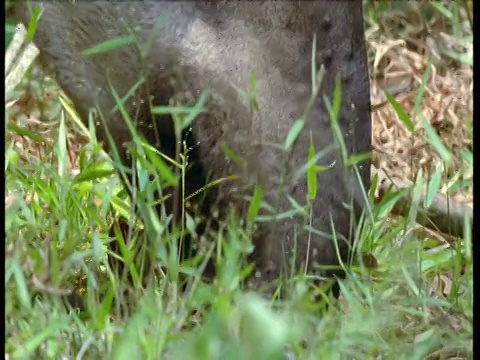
(217, 44)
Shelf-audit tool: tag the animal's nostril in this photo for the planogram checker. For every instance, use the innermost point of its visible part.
(324, 57)
(293, 116)
(326, 24)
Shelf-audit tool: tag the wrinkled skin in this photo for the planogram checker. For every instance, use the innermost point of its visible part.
(218, 44)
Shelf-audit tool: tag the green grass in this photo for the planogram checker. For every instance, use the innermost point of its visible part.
(57, 227)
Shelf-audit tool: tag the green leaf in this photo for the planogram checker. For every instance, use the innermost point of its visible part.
(421, 91)
(103, 313)
(416, 193)
(35, 341)
(280, 216)
(253, 83)
(110, 45)
(312, 173)
(337, 102)
(130, 93)
(254, 206)
(293, 133)
(232, 155)
(334, 111)
(463, 58)
(314, 63)
(25, 132)
(171, 110)
(433, 186)
(32, 26)
(122, 207)
(435, 141)
(93, 174)
(196, 109)
(21, 282)
(163, 169)
(359, 157)
(411, 282)
(402, 115)
(61, 148)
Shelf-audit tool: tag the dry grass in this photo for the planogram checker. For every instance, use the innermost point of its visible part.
(38, 110)
(400, 48)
